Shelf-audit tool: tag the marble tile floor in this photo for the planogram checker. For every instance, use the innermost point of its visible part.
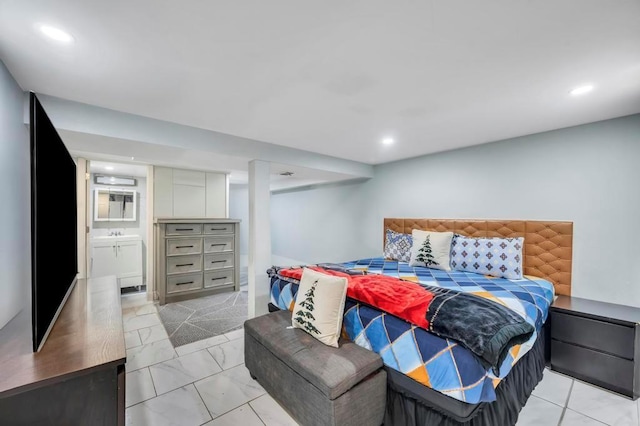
(206, 383)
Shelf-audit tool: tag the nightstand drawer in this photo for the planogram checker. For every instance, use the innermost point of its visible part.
(594, 367)
(602, 336)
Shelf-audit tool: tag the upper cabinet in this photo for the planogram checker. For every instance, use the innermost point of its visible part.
(114, 205)
(188, 193)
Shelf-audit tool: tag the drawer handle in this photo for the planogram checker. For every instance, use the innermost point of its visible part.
(220, 278)
(217, 245)
(218, 229)
(184, 246)
(184, 264)
(184, 229)
(188, 282)
(218, 261)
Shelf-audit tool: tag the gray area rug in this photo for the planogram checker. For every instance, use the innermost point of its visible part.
(205, 317)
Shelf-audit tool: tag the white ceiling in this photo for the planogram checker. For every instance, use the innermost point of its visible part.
(335, 77)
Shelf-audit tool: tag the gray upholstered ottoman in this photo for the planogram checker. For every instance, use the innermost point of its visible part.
(317, 384)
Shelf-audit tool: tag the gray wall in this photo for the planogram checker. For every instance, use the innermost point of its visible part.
(15, 209)
(587, 174)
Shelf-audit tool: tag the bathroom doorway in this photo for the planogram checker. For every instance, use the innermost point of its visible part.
(118, 240)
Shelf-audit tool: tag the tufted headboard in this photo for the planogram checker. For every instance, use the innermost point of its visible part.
(548, 246)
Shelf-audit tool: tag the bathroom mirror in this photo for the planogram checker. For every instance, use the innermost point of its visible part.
(113, 204)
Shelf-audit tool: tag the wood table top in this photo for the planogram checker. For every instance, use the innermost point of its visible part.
(88, 334)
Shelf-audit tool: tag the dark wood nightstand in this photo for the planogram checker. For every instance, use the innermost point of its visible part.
(597, 342)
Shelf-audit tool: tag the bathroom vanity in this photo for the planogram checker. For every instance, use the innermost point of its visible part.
(119, 255)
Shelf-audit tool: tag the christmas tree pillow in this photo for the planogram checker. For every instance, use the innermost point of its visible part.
(431, 249)
(498, 257)
(319, 306)
(397, 246)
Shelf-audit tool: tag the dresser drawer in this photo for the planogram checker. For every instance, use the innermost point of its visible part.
(594, 367)
(603, 336)
(221, 278)
(218, 261)
(184, 246)
(218, 244)
(184, 229)
(186, 282)
(219, 228)
(183, 264)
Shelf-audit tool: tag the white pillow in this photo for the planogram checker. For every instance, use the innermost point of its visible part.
(319, 306)
(431, 249)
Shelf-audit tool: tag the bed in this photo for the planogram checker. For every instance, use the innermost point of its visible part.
(434, 380)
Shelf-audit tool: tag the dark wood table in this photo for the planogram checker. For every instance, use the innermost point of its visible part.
(597, 342)
(78, 377)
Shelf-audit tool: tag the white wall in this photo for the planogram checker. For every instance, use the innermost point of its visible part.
(137, 227)
(319, 225)
(587, 174)
(15, 209)
(239, 209)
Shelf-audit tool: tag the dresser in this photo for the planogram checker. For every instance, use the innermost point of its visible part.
(196, 257)
(78, 377)
(597, 342)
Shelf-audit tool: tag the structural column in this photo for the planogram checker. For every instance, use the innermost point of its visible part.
(259, 237)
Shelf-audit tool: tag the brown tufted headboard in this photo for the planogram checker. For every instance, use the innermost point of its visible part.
(548, 246)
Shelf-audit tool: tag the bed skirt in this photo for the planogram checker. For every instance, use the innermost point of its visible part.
(409, 403)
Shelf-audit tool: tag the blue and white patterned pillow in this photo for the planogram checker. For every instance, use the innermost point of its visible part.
(498, 257)
(397, 246)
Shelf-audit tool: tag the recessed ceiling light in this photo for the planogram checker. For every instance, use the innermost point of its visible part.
(581, 90)
(387, 141)
(56, 34)
(108, 167)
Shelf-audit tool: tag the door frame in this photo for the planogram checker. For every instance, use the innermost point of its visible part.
(82, 195)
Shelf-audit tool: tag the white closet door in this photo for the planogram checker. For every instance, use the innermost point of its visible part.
(188, 177)
(216, 195)
(188, 201)
(162, 192)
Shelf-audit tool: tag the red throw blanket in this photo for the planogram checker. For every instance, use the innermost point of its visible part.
(403, 299)
(487, 328)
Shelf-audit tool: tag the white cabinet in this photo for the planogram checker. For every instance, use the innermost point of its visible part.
(188, 201)
(120, 256)
(103, 258)
(189, 193)
(216, 195)
(162, 192)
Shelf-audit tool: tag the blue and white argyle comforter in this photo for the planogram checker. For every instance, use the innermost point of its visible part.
(441, 364)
